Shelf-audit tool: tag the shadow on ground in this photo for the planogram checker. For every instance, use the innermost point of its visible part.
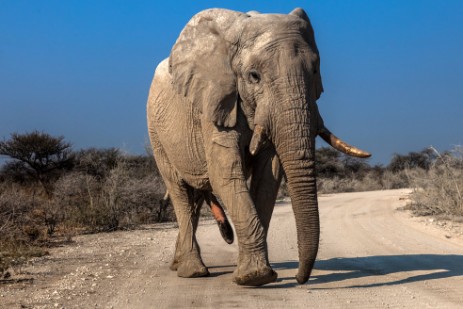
(217, 271)
(435, 266)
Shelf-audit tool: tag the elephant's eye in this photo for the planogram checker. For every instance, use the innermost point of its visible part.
(254, 77)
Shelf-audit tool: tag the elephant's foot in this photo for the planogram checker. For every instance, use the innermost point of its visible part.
(190, 268)
(174, 265)
(252, 272)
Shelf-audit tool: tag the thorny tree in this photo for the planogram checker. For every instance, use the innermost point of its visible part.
(37, 156)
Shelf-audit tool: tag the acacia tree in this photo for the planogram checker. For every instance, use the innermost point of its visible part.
(38, 156)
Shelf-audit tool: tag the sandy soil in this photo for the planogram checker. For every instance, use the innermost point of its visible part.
(371, 256)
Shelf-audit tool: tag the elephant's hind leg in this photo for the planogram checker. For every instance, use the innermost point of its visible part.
(187, 259)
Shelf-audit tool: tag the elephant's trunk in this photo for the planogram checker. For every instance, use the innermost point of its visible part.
(303, 191)
(294, 139)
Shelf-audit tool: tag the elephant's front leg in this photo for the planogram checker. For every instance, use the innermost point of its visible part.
(229, 183)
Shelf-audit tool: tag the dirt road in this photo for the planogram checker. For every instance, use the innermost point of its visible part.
(371, 256)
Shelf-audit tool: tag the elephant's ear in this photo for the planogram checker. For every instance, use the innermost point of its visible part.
(310, 37)
(200, 65)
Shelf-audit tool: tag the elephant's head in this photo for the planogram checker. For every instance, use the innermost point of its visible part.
(267, 66)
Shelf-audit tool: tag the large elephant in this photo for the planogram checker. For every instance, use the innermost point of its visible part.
(236, 101)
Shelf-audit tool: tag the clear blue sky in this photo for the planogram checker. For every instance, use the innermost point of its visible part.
(392, 70)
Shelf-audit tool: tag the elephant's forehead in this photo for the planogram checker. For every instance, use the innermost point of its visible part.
(264, 39)
(279, 44)
(275, 22)
(273, 31)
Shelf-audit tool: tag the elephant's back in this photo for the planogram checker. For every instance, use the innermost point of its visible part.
(160, 95)
(177, 128)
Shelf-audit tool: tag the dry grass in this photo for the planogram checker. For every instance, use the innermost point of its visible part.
(439, 191)
(20, 231)
(369, 182)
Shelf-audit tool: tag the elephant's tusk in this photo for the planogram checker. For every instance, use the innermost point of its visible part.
(258, 139)
(338, 144)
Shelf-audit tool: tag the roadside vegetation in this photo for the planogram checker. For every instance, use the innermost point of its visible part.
(435, 178)
(438, 191)
(50, 192)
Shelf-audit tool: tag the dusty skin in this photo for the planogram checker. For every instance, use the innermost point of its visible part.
(371, 256)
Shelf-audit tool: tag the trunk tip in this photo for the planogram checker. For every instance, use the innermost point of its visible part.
(302, 279)
(304, 271)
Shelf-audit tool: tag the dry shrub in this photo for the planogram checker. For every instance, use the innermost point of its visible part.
(123, 199)
(20, 214)
(439, 191)
(76, 196)
(21, 230)
(370, 182)
(334, 185)
(131, 200)
(396, 180)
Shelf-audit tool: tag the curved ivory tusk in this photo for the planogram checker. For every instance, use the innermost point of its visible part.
(338, 144)
(258, 139)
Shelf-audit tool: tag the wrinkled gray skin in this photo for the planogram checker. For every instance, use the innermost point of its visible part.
(228, 75)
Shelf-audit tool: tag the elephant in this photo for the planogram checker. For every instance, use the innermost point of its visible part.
(230, 112)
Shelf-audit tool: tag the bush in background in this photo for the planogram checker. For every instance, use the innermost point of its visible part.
(439, 190)
(112, 193)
